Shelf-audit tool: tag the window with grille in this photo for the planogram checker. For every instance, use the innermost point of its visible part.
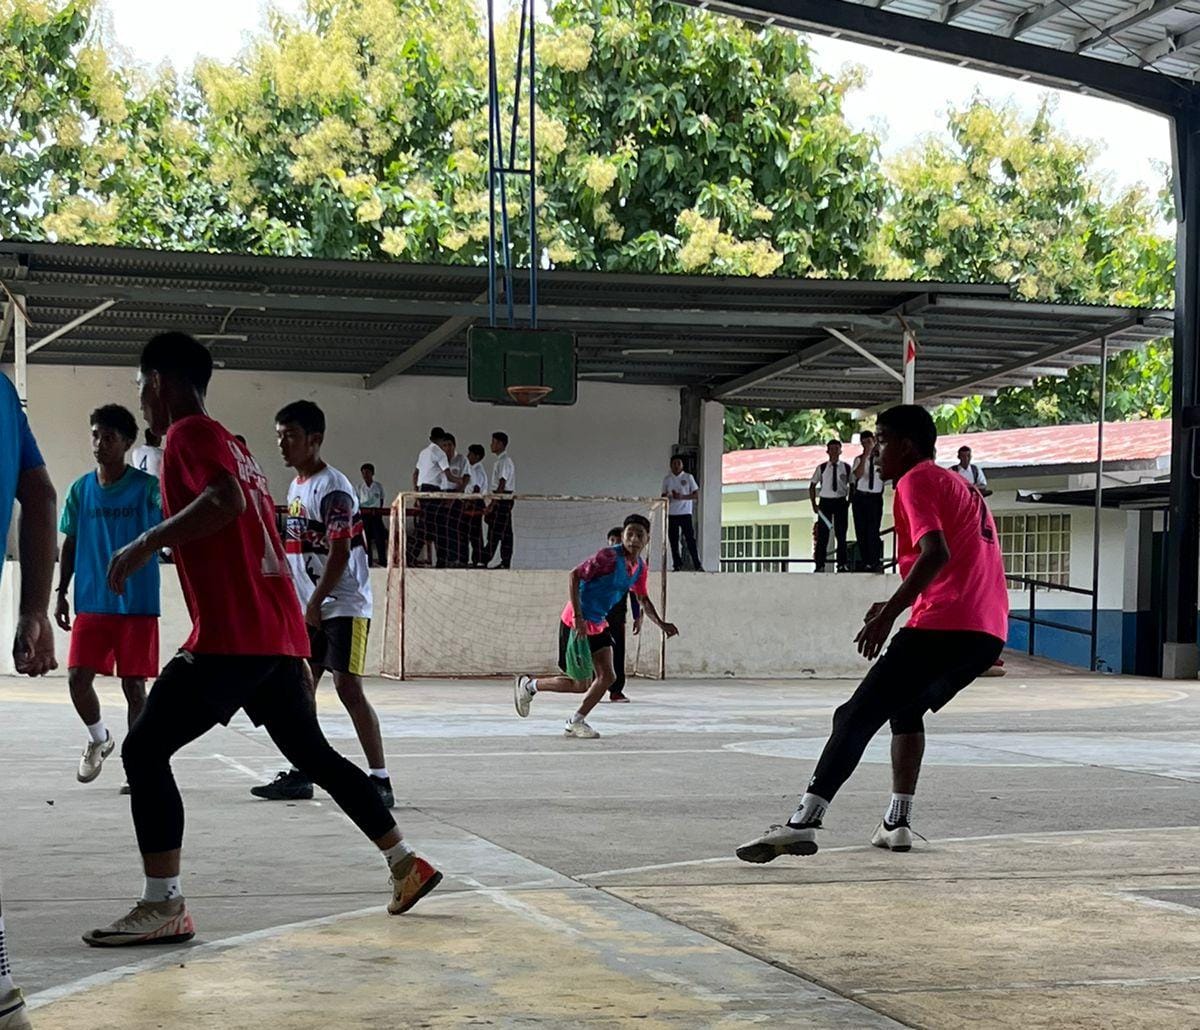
(1037, 546)
(742, 543)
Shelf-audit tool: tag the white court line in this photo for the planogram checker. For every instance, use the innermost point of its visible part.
(1029, 837)
(233, 763)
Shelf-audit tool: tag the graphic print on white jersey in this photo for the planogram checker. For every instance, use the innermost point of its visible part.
(322, 508)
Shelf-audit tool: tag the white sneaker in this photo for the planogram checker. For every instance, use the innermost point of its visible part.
(781, 840)
(579, 728)
(13, 1014)
(898, 838)
(92, 759)
(523, 694)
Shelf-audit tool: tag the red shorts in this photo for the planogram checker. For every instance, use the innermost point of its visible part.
(126, 643)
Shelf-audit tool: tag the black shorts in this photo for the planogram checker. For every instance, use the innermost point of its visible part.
(596, 642)
(924, 668)
(340, 645)
(227, 682)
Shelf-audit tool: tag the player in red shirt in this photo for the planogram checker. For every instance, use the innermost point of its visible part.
(949, 556)
(246, 649)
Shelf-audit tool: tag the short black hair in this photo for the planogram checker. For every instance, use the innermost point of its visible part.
(830, 443)
(913, 423)
(240, 439)
(866, 432)
(178, 356)
(367, 467)
(304, 414)
(449, 438)
(476, 448)
(636, 520)
(502, 437)
(964, 447)
(117, 418)
(615, 531)
(436, 433)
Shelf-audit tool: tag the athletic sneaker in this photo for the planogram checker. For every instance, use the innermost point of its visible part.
(619, 699)
(291, 785)
(13, 1014)
(412, 879)
(523, 694)
(124, 789)
(384, 786)
(92, 759)
(996, 669)
(148, 922)
(781, 840)
(579, 728)
(892, 838)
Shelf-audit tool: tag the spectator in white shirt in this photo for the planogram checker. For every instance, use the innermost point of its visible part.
(498, 515)
(371, 496)
(828, 491)
(454, 479)
(427, 478)
(476, 485)
(973, 474)
(681, 489)
(866, 503)
(147, 456)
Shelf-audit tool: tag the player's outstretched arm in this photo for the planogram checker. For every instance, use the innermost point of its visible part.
(935, 553)
(33, 647)
(669, 628)
(215, 507)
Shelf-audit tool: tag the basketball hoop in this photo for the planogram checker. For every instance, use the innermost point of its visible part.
(529, 396)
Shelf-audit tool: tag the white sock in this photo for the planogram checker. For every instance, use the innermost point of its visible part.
(396, 852)
(577, 717)
(900, 810)
(161, 888)
(6, 982)
(532, 685)
(812, 809)
(380, 774)
(98, 732)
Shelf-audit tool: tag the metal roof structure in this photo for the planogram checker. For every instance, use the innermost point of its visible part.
(789, 343)
(1145, 52)
(1154, 496)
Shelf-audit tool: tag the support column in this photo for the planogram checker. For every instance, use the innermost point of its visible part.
(20, 354)
(1180, 658)
(910, 368)
(702, 445)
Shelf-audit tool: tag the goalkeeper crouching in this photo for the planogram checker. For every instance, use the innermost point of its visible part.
(595, 587)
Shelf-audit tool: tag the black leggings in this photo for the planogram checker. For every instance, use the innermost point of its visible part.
(921, 670)
(193, 694)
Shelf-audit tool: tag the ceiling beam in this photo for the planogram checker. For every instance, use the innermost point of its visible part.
(1035, 17)
(62, 330)
(1091, 38)
(1170, 44)
(425, 346)
(954, 11)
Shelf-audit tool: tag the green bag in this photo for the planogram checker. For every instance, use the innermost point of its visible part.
(579, 657)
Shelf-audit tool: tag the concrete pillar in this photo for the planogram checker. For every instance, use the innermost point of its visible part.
(712, 449)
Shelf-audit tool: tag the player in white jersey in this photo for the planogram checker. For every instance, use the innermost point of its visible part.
(327, 557)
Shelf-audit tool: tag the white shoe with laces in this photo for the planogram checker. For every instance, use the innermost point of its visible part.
(523, 694)
(13, 1013)
(92, 759)
(780, 840)
(894, 838)
(579, 728)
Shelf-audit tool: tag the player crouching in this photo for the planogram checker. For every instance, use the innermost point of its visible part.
(596, 586)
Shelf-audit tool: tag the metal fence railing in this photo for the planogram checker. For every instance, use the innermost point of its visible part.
(1032, 620)
(784, 563)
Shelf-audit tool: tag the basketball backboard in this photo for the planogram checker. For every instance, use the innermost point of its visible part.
(499, 358)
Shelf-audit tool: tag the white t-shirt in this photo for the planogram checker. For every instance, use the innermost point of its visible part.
(684, 483)
(869, 480)
(370, 496)
(833, 480)
(322, 508)
(478, 482)
(504, 469)
(458, 465)
(431, 463)
(973, 474)
(146, 458)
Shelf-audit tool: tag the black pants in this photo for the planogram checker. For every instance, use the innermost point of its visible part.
(428, 525)
(920, 671)
(473, 524)
(835, 511)
(192, 695)
(500, 533)
(617, 631)
(868, 514)
(456, 534)
(677, 524)
(376, 538)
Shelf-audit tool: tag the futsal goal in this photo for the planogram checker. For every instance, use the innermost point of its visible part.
(450, 612)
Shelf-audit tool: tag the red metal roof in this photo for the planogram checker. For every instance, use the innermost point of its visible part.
(1003, 448)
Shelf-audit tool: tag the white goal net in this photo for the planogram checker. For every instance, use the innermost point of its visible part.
(476, 586)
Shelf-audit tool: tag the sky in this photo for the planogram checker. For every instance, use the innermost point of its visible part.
(905, 97)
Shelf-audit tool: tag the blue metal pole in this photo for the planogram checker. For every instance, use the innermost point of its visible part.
(534, 256)
(492, 104)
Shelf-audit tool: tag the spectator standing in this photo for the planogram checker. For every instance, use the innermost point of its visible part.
(498, 515)
(829, 491)
(147, 457)
(370, 495)
(866, 502)
(477, 485)
(427, 478)
(681, 489)
(454, 480)
(973, 474)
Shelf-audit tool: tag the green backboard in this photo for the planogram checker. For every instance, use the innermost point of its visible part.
(500, 358)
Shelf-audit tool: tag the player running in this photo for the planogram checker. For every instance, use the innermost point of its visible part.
(596, 586)
(327, 556)
(246, 649)
(106, 509)
(949, 556)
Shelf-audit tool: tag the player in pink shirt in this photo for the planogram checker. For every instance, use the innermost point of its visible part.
(949, 556)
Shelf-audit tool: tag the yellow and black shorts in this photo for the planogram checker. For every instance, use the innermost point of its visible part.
(340, 645)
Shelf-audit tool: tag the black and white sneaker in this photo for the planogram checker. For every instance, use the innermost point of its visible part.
(291, 785)
(781, 840)
(892, 838)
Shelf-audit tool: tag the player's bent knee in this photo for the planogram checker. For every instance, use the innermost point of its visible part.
(350, 691)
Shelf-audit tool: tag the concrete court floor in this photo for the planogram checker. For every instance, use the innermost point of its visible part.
(591, 883)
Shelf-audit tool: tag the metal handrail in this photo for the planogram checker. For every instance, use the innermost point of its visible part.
(1033, 621)
(788, 560)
